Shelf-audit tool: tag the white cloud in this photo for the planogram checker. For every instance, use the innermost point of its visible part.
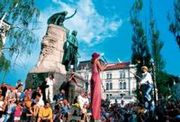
(115, 25)
(91, 26)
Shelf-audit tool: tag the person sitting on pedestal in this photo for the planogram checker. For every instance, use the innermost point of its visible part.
(49, 90)
(60, 96)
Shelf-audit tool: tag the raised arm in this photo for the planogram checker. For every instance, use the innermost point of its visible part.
(146, 78)
(72, 78)
(100, 66)
(71, 15)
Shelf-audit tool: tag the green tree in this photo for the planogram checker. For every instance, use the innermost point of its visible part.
(174, 26)
(4, 65)
(23, 18)
(156, 46)
(140, 50)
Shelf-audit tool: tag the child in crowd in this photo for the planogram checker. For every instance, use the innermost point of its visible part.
(18, 112)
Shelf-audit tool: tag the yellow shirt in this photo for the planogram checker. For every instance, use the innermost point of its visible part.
(45, 113)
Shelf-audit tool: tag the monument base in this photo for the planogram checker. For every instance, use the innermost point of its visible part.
(36, 79)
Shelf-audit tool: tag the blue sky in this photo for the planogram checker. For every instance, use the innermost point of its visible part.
(103, 26)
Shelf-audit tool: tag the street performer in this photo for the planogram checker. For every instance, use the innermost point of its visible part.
(96, 87)
(146, 82)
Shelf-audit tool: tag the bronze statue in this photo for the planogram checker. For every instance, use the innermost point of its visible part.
(70, 52)
(59, 18)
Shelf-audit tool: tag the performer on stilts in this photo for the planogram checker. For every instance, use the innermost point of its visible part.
(95, 84)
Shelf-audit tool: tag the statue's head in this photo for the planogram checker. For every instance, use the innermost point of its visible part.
(65, 13)
(74, 32)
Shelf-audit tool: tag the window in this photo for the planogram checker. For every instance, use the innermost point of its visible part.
(107, 86)
(120, 85)
(124, 85)
(107, 95)
(108, 76)
(110, 95)
(122, 74)
(111, 86)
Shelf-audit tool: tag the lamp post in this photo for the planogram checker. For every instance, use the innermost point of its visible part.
(154, 80)
(86, 78)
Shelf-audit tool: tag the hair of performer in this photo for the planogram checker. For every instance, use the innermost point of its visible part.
(95, 84)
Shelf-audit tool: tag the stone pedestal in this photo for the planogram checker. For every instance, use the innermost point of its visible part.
(36, 79)
(50, 58)
(52, 51)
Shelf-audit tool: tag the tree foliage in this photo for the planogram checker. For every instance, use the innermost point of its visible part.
(174, 26)
(22, 15)
(140, 49)
(4, 63)
(161, 78)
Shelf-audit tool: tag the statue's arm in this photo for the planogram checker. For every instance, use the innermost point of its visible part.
(71, 15)
(70, 39)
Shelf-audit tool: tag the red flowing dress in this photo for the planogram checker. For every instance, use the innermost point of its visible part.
(96, 92)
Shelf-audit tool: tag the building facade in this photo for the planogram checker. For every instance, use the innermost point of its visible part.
(118, 81)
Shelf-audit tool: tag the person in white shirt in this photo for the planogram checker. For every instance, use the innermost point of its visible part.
(147, 81)
(10, 109)
(83, 103)
(39, 100)
(49, 91)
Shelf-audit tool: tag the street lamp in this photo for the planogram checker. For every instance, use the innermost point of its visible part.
(154, 79)
(86, 78)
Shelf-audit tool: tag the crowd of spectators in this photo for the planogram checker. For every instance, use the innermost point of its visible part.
(27, 105)
(166, 111)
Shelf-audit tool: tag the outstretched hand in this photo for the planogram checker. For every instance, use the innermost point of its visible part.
(71, 77)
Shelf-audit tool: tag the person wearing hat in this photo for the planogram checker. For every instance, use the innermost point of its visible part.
(95, 84)
(147, 81)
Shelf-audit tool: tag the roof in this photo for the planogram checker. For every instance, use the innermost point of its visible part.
(86, 64)
(117, 66)
(9, 87)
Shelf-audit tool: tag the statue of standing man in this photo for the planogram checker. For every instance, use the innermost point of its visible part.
(70, 56)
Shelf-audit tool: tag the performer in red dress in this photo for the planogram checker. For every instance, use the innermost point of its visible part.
(96, 87)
